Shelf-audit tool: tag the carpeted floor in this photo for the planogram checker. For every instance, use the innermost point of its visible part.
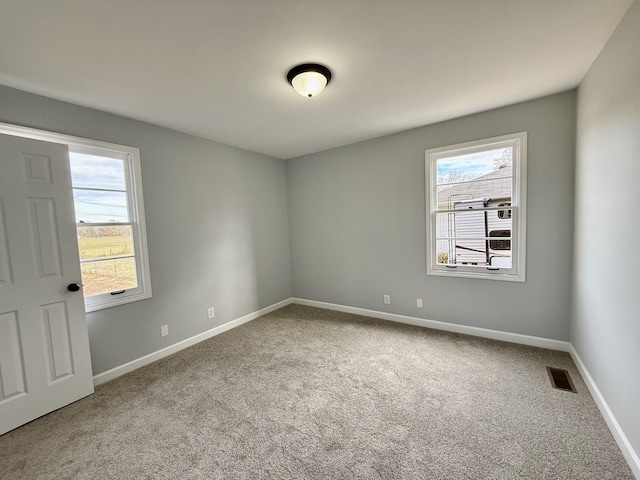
(306, 393)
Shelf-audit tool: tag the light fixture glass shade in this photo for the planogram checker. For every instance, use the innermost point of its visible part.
(309, 79)
(309, 84)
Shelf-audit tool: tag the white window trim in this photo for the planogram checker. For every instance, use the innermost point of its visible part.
(136, 206)
(519, 234)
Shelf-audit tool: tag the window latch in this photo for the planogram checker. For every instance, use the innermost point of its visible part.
(118, 292)
(493, 268)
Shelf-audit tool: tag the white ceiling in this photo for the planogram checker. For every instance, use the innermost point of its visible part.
(216, 68)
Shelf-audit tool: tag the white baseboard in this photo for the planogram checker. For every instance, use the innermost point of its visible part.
(621, 439)
(176, 347)
(449, 327)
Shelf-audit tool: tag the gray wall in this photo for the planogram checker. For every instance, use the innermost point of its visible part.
(605, 328)
(357, 223)
(216, 225)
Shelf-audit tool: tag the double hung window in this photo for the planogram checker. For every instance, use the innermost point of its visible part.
(111, 237)
(476, 206)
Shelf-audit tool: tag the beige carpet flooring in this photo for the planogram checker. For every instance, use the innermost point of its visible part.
(306, 393)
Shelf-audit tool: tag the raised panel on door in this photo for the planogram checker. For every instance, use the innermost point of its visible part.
(55, 324)
(5, 263)
(42, 213)
(12, 382)
(37, 168)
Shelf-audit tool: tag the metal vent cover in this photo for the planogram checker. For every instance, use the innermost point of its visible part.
(561, 379)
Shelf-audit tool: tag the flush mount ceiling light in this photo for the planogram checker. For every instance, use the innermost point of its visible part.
(309, 79)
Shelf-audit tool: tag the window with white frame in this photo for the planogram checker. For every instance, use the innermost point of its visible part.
(476, 207)
(110, 223)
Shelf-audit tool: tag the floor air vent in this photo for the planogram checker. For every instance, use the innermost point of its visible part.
(561, 380)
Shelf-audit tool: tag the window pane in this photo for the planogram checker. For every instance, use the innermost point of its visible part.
(472, 237)
(105, 242)
(104, 276)
(472, 223)
(479, 175)
(464, 224)
(92, 171)
(100, 207)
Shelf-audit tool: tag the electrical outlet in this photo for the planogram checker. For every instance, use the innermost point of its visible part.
(387, 299)
(211, 312)
(419, 302)
(164, 330)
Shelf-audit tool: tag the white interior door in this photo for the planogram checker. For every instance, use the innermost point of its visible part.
(44, 345)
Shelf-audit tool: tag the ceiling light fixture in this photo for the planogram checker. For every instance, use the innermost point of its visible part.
(309, 79)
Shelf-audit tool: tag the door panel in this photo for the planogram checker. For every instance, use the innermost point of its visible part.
(56, 333)
(5, 266)
(37, 168)
(45, 236)
(44, 347)
(11, 365)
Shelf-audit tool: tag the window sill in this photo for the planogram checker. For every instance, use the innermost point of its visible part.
(504, 277)
(95, 305)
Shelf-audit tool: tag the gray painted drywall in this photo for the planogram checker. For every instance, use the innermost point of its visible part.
(605, 328)
(357, 224)
(216, 225)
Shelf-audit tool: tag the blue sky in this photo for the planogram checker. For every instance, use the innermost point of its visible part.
(90, 171)
(473, 164)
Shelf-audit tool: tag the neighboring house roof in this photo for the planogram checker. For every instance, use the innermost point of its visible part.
(495, 185)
